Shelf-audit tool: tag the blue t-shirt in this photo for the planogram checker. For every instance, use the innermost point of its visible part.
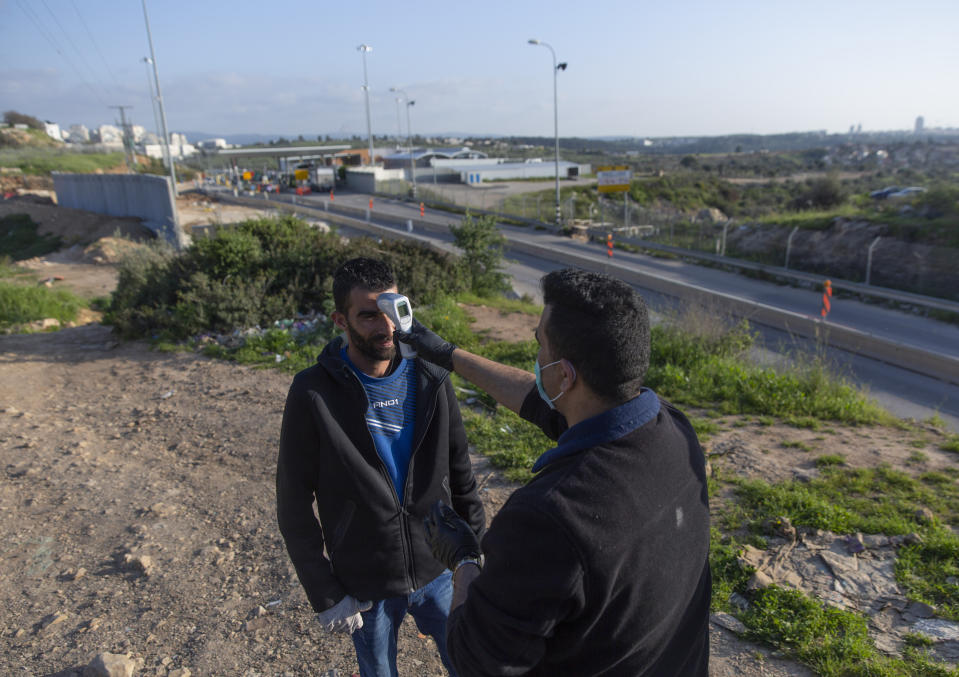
(390, 417)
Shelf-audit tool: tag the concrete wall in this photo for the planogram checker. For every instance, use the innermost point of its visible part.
(146, 196)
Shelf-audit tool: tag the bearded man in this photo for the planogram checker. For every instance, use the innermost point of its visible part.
(374, 440)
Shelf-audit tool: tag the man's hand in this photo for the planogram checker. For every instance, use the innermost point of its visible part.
(344, 616)
(450, 537)
(428, 345)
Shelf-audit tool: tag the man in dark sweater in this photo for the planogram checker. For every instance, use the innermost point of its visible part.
(599, 565)
(374, 440)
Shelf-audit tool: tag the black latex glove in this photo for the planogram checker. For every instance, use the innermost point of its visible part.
(428, 345)
(450, 537)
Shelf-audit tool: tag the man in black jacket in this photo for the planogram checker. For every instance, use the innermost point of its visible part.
(599, 565)
(374, 440)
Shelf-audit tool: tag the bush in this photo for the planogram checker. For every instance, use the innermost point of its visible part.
(12, 117)
(261, 271)
(822, 193)
(20, 304)
(482, 246)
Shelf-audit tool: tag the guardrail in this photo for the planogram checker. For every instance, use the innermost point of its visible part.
(941, 367)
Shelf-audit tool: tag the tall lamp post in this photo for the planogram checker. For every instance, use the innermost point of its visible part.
(409, 135)
(159, 98)
(366, 90)
(399, 125)
(556, 68)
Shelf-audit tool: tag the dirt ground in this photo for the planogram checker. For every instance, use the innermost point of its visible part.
(137, 512)
(137, 516)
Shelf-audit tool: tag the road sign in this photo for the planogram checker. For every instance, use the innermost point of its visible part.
(614, 179)
(301, 174)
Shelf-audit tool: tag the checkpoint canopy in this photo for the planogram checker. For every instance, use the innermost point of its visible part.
(614, 179)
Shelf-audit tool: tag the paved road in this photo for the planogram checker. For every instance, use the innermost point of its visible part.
(903, 392)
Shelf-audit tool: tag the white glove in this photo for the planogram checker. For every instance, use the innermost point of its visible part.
(344, 616)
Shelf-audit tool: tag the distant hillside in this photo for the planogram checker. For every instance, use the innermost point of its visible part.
(26, 138)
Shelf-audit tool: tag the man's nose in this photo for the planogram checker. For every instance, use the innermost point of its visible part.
(385, 320)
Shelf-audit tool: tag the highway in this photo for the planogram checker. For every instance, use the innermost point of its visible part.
(922, 344)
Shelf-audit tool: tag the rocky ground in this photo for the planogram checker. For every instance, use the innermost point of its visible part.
(137, 518)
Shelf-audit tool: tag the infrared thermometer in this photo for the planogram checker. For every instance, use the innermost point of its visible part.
(397, 307)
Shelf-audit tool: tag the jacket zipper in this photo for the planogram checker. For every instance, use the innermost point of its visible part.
(405, 534)
(406, 488)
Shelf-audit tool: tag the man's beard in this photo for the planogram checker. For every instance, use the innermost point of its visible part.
(368, 347)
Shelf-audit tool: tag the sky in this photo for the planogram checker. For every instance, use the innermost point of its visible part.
(635, 67)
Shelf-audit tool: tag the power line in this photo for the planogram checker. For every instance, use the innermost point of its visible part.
(56, 47)
(76, 49)
(96, 45)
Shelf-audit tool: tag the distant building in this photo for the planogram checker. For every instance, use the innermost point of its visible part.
(213, 144)
(155, 150)
(78, 134)
(920, 124)
(53, 130)
(108, 135)
(138, 132)
(423, 158)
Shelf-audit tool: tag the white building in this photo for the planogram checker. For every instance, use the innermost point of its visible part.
(213, 144)
(108, 135)
(78, 134)
(177, 150)
(53, 130)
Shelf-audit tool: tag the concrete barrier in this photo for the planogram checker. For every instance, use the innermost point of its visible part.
(146, 196)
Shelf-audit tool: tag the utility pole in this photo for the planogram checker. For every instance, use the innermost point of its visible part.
(366, 92)
(128, 152)
(147, 61)
(156, 78)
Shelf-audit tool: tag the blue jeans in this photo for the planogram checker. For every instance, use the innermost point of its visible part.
(429, 606)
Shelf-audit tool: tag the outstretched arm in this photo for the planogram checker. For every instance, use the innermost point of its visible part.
(507, 385)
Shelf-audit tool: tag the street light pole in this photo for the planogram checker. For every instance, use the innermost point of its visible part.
(556, 68)
(156, 78)
(366, 90)
(409, 135)
(399, 124)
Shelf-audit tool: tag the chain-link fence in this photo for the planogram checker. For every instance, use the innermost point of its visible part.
(854, 251)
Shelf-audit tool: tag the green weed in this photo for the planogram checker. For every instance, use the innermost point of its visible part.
(827, 460)
(797, 444)
(951, 443)
(20, 304)
(43, 162)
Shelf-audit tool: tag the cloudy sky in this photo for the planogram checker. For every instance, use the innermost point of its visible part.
(636, 67)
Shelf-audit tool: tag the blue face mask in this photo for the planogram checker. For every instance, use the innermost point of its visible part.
(539, 383)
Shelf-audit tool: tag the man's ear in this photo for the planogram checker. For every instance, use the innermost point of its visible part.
(339, 319)
(569, 374)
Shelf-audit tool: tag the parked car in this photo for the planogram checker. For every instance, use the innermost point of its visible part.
(911, 191)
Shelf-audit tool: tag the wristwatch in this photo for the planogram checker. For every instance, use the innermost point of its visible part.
(478, 561)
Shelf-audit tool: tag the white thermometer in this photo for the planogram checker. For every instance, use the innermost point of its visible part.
(397, 307)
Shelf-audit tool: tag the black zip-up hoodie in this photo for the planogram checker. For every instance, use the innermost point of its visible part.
(366, 544)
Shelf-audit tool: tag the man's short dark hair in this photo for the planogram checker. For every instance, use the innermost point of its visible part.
(362, 272)
(601, 325)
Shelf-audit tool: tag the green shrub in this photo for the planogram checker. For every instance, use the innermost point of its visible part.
(258, 272)
(482, 246)
(20, 304)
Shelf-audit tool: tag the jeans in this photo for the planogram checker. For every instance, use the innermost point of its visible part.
(375, 642)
